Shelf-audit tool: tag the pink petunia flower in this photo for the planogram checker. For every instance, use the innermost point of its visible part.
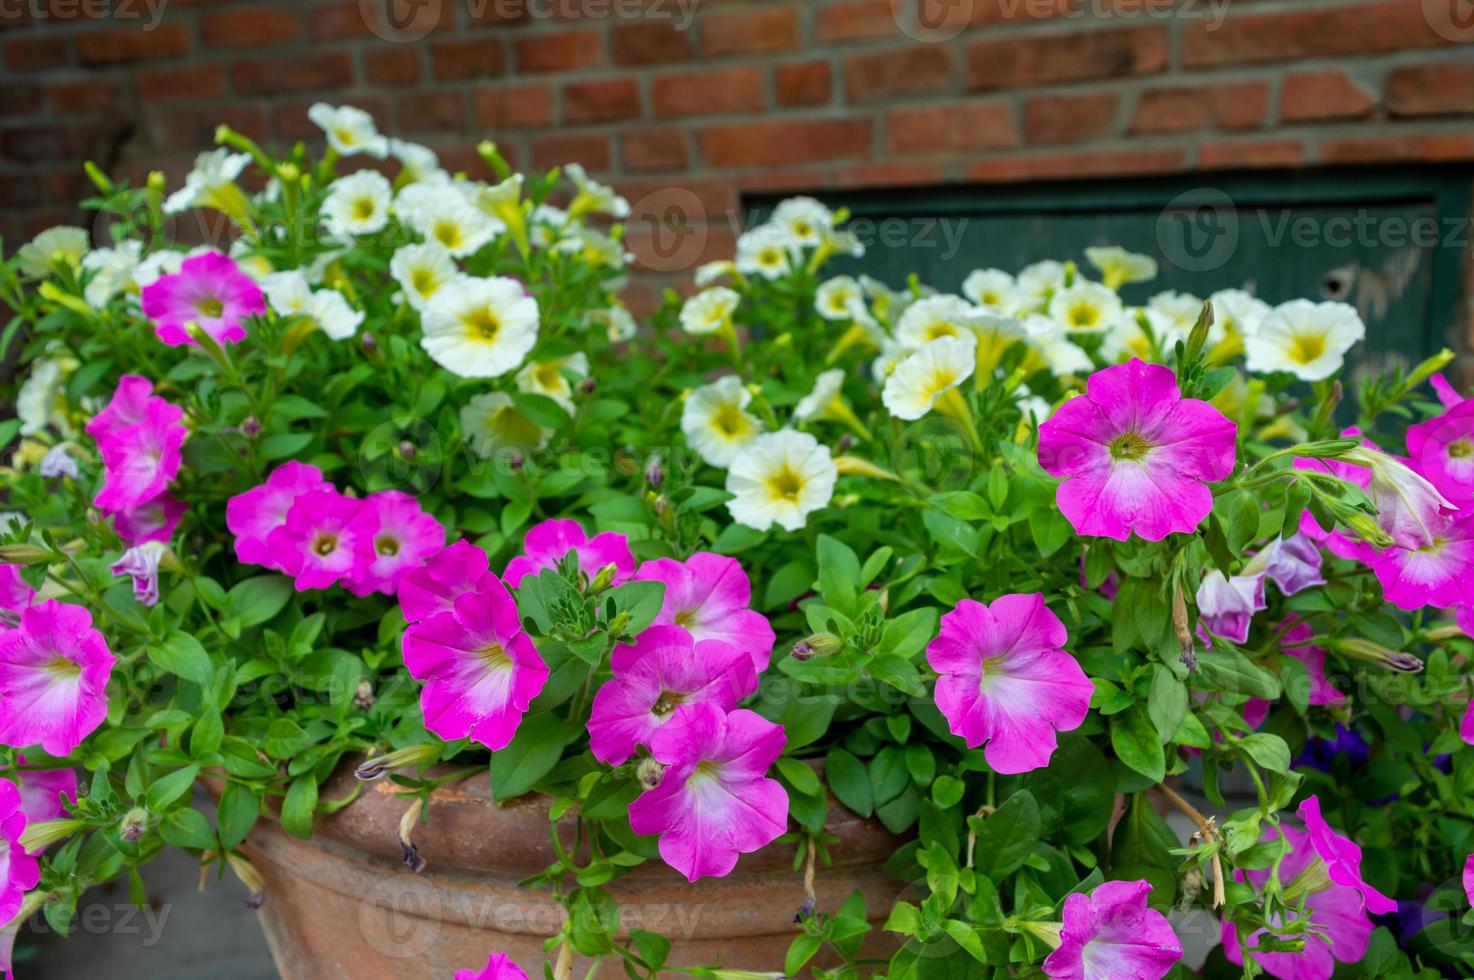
(141, 564)
(142, 458)
(317, 545)
(708, 596)
(715, 800)
(1337, 913)
(433, 587)
(1135, 455)
(15, 596)
(499, 966)
(152, 520)
(44, 793)
(1341, 856)
(393, 536)
(54, 671)
(1409, 508)
(1296, 642)
(1445, 391)
(19, 871)
(479, 669)
(1294, 563)
(125, 408)
(547, 543)
(1440, 573)
(1112, 932)
(1227, 605)
(253, 515)
(210, 290)
(1006, 682)
(1469, 878)
(664, 669)
(1442, 449)
(1466, 725)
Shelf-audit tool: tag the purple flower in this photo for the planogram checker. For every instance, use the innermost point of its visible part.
(1294, 563)
(58, 463)
(1228, 605)
(142, 564)
(1113, 933)
(209, 290)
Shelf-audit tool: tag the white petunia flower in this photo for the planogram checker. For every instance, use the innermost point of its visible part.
(842, 299)
(593, 197)
(63, 245)
(994, 334)
(991, 289)
(595, 248)
(1118, 267)
(290, 296)
(929, 374)
(41, 400)
(419, 162)
(112, 271)
(826, 403)
(763, 251)
(445, 217)
(491, 421)
(546, 225)
(211, 184)
(349, 130)
(842, 241)
(804, 220)
(619, 325)
(1238, 312)
(709, 311)
(251, 262)
(480, 328)
(1128, 338)
(709, 273)
(1181, 311)
(780, 478)
(1307, 339)
(550, 378)
(155, 265)
(1036, 282)
(716, 422)
(891, 354)
(422, 270)
(933, 318)
(357, 204)
(1051, 339)
(1085, 307)
(502, 201)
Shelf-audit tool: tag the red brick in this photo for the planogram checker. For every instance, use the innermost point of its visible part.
(203, 81)
(662, 148)
(763, 144)
(193, 126)
(481, 57)
(856, 21)
(516, 107)
(25, 143)
(35, 53)
(20, 99)
(803, 83)
(132, 44)
(713, 199)
(1413, 148)
(748, 31)
(559, 52)
(1095, 163)
(594, 152)
(21, 191)
(1314, 96)
(1069, 118)
(650, 42)
(393, 66)
(958, 127)
(424, 112)
(249, 28)
(708, 91)
(354, 19)
(1322, 32)
(602, 100)
(1240, 105)
(897, 71)
(1264, 153)
(292, 74)
(891, 175)
(1073, 57)
(1431, 90)
(84, 96)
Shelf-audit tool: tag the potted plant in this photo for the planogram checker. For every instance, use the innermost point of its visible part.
(811, 626)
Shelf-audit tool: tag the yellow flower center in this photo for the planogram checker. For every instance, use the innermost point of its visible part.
(1129, 447)
(1460, 449)
(685, 618)
(548, 376)
(494, 658)
(482, 325)
(62, 669)
(730, 422)
(942, 328)
(940, 381)
(387, 546)
(324, 544)
(667, 702)
(447, 233)
(1306, 348)
(346, 136)
(423, 281)
(785, 486)
(363, 208)
(211, 307)
(1083, 316)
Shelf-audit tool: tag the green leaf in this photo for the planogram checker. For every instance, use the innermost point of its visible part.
(1226, 669)
(1167, 704)
(207, 734)
(839, 573)
(947, 791)
(850, 782)
(181, 654)
(1141, 847)
(1006, 837)
(169, 788)
(258, 599)
(1076, 792)
(529, 757)
(188, 827)
(1270, 751)
(800, 776)
(802, 950)
(888, 775)
(236, 815)
(642, 600)
(652, 947)
(297, 808)
(1135, 740)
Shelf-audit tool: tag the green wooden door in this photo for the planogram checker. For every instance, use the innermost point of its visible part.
(1392, 244)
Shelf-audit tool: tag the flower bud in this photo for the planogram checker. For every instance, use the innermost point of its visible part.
(23, 554)
(816, 645)
(363, 695)
(412, 859)
(1409, 508)
(249, 877)
(369, 344)
(588, 386)
(250, 427)
(649, 773)
(407, 450)
(654, 473)
(134, 824)
(603, 580)
(39, 836)
(379, 766)
(515, 462)
(1359, 649)
(618, 624)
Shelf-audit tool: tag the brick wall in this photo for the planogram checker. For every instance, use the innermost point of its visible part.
(689, 103)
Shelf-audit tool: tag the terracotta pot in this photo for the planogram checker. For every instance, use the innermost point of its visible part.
(343, 905)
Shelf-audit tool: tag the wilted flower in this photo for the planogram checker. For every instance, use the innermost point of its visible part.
(141, 564)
